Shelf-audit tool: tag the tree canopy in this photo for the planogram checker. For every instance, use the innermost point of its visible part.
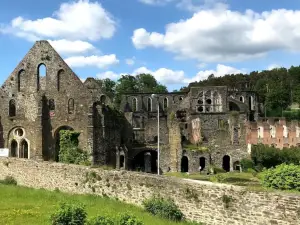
(142, 83)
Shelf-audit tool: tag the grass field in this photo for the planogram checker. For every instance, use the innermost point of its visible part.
(235, 178)
(25, 206)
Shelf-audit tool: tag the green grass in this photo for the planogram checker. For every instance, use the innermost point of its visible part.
(236, 178)
(25, 206)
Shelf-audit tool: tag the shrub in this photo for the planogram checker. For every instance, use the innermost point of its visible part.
(268, 156)
(165, 208)
(283, 177)
(101, 220)
(247, 164)
(218, 170)
(127, 219)
(69, 214)
(69, 151)
(9, 180)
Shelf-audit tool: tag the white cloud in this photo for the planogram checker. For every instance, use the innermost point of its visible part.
(72, 47)
(77, 20)
(163, 75)
(130, 62)
(108, 74)
(197, 5)
(172, 77)
(219, 35)
(101, 62)
(155, 2)
(220, 71)
(273, 66)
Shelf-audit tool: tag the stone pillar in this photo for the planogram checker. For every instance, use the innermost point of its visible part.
(147, 161)
(90, 134)
(117, 158)
(37, 150)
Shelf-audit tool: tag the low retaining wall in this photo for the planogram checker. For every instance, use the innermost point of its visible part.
(210, 203)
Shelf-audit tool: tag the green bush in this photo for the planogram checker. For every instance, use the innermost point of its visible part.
(9, 180)
(283, 177)
(265, 156)
(247, 164)
(218, 170)
(101, 220)
(69, 214)
(127, 219)
(69, 151)
(165, 208)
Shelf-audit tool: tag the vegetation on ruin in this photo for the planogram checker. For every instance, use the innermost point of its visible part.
(20, 205)
(69, 150)
(277, 88)
(193, 147)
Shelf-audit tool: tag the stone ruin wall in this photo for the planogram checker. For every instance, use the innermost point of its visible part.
(199, 201)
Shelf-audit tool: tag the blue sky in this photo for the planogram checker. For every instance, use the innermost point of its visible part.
(178, 41)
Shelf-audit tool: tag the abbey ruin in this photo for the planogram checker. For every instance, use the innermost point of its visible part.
(206, 125)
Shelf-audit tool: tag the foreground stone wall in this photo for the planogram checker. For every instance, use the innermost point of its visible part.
(213, 204)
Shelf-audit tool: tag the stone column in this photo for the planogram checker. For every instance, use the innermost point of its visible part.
(117, 158)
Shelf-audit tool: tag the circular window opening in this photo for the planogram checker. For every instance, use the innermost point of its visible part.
(19, 132)
(208, 101)
(200, 109)
(181, 98)
(200, 102)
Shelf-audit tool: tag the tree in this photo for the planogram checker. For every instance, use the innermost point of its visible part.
(108, 86)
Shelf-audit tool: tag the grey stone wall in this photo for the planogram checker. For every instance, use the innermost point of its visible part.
(200, 201)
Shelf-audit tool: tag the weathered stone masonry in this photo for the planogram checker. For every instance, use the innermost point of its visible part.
(200, 201)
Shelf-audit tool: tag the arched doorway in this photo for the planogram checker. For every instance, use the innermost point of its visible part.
(57, 140)
(145, 161)
(226, 163)
(13, 148)
(122, 161)
(237, 165)
(23, 151)
(202, 163)
(184, 164)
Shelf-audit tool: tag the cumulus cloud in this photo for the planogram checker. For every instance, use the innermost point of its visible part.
(163, 75)
(219, 35)
(172, 77)
(79, 20)
(101, 62)
(220, 71)
(67, 47)
(155, 2)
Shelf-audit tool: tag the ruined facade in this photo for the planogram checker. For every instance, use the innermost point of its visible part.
(204, 126)
(276, 132)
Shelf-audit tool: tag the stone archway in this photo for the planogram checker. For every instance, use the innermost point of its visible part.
(13, 148)
(184, 164)
(57, 140)
(24, 150)
(226, 163)
(145, 161)
(202, 162)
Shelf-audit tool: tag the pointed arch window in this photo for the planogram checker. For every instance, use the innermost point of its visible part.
(12, 107)
(71, 106)
(166, 103)
(13, 148)
(103, 99)
(42, 71)
(60, 74)
(20, 80)
(134, 105)
(149, 105)
(23, 150)
(51, 104)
